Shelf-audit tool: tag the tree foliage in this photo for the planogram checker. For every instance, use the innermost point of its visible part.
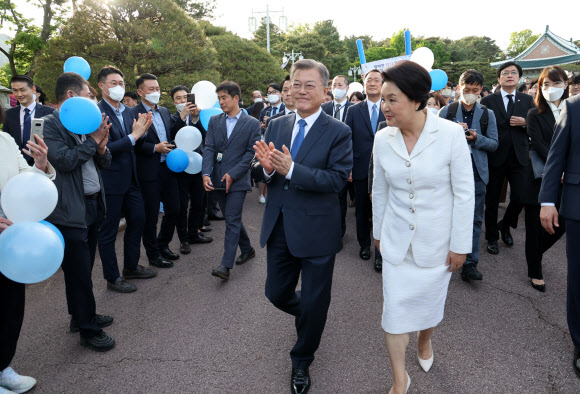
(519, 41)
(198, 10)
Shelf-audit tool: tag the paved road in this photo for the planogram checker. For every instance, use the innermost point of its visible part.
(188, 332)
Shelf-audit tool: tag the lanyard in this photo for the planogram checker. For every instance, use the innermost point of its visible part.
(29, 115)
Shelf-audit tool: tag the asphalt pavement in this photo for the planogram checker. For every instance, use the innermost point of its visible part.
(186, 331)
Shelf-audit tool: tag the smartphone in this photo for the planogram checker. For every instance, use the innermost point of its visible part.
(467, 132)
(191, 98)
(37, 127)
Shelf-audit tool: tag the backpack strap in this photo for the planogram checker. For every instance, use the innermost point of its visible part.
(452, 110)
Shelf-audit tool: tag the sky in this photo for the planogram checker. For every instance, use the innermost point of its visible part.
(381, 19)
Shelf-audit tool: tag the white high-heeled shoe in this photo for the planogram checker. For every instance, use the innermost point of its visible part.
(426, 364)
(408, 383)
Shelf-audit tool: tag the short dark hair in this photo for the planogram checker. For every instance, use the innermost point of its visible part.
(440, 100)
(413, 80)
(533, 82)
(106, 71)
(177, 89)
(258, 107)
(22, 78)
(232, 88)
(471, 77)
(40, 94)
(450, 84)
(509, 64)
(374, 70)
(286, 79)
(346, 81)
(145, 77)
(523, 88)
(329, 93)
(132, 95)
(358, 95)
(275, 86)
(68, 81)
(485, 89)
(574, 80)
(554, 74)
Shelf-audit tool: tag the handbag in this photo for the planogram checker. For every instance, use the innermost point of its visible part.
(537, 164)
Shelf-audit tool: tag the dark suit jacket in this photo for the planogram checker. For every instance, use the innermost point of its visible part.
(363, 138)
(564, 157)
(117, 178)
(268, 110)
(309, 201)
(12, 123)
(177, 123)
(329, 108)
(237, 151)
(147, 159)
(381, 125)
(508, 136)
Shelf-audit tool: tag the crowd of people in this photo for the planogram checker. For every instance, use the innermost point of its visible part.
(424, 170)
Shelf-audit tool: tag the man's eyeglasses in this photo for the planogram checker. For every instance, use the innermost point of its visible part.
(506, 73)
(310, 86)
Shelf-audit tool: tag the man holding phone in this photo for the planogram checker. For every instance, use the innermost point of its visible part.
(481, 134)
(158, 183)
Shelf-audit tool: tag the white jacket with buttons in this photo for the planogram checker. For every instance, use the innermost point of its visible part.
(424, 199)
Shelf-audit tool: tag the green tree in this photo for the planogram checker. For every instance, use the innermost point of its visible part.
(198, 9)
(455, 69)
(352, 50)
(276, 38)
(475, 48)
(438, 48)
(380, 53)
(398, 42)
(520, 41)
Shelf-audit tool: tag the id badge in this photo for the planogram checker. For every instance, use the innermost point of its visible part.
(219, 157)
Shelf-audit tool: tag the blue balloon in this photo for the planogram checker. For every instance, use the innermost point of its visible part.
(177, 160)
(205, 114)
(244, 110)
(80, 115)
(78, 65)
(30, 252)
(217, 105)
(438, 79)
(53, 228)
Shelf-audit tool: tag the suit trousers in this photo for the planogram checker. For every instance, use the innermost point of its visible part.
(131, 206)
(165, 190)
(191, 193)
(516, 174)
(13, 295)
(480, 189)
(538, 240)
(232, 205)
(77, 266)
(343, 207)
(310, 305)
(573, 290)
(363, 211)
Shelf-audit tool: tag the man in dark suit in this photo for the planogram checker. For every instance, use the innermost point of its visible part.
(306, 157)
(18, 122)
(337, 109)
(190, 185)
(256, 98)
(511, 157)
(564, 158)
(122, 191)
(227, 156)
(158, 183)
(276, 105)
(363, 119)
(289, 103)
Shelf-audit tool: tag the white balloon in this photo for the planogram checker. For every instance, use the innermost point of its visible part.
(188, 138)
(205, 94)
(424, 57)
(195, 161)
(28, 197)
(355, 87)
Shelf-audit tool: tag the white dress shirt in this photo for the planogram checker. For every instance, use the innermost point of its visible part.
(287, 111)
(506, 100)
(31, 108)
(341, 110)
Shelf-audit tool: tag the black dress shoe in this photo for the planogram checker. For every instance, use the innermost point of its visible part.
(139, 273)
(206, 222)
(378, 263)
(100, 342)
(300, 381)
(120, 285)
(168, 254)
(185, 248)
(215, 216)
(365, 253)
(161, 262)
(506, 236)
(540, 288)
(221, 272)
(576, 363)
(101, 320)
(492, 247)
(244, 257)
(200, 239)
(470, 272)
(205, 229)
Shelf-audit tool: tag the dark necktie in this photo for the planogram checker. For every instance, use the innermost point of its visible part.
(337, 111)
(298, 139)
(510, 106)
(274, 111)
(26, 127)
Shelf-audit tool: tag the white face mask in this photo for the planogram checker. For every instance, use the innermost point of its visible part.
(258, 100)
(552, 94)
(469, 99)
(339, 93)
(446, 92)
(433, 110)
(117, 93)
(180, 107)
(273, 98)
(153, 98)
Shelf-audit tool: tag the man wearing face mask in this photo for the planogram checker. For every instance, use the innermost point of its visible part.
(481, 134)
(158, 183)
(446, 92)
(275, 99)
(337, 109)
(18, 122)
(122, 192)
(256, 98)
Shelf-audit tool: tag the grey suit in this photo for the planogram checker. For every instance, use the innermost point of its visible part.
(236, 154)
(479, 149)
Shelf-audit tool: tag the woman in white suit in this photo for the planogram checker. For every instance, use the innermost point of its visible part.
(12, 293)
(423, 199)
